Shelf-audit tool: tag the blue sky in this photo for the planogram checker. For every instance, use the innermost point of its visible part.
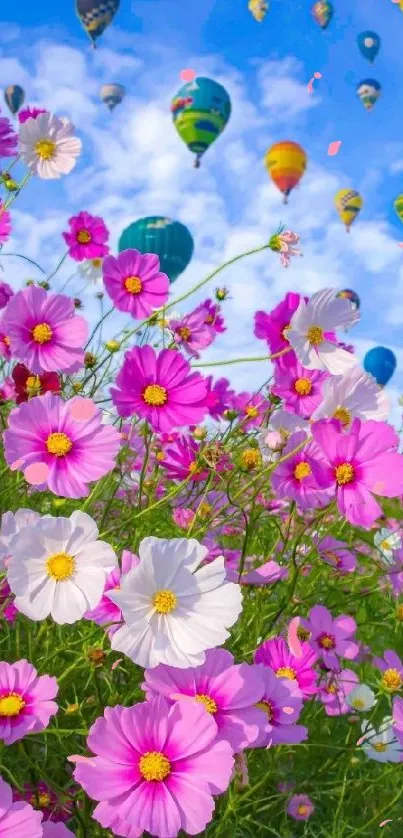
(134, 164)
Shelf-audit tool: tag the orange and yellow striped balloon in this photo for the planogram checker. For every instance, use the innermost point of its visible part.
(286, 163)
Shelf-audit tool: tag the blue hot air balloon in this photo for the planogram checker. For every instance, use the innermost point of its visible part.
(381, 363)
(200, 111)
(170, 240)
(14, 96)
(369, 44)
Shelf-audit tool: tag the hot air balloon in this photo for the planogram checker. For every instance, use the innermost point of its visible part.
(96, 15)
(348, 294)
(258, 8)
(285, 163)
(398, 206)
(170, 240)
(112, 94)
(14, 96)
(348, 204)
(381, 363)
(200, 111)
(323, 13)
(369, 44)
(369, 92)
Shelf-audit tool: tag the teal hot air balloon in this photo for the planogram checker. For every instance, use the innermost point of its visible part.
(96, 15)
(381, 363)
(112, 94)
(14, 96)
(170, 240)
(369, 44)
(369, 92)
(200, 111)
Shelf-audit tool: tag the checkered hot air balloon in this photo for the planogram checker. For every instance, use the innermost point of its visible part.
(96, 15)
(348, 203)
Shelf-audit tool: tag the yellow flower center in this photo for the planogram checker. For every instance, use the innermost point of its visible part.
(344, 474)
(303, 386)
(133, 284)
(184, 332)
(154, 766)
(286, 672)
(285, 332)
(380, 747)
(343, 415)
(209, 319)
(58, 444)
(155, 395)
(11, 705)
(83, 237)
(45, 149)
(6, 340)
(303, 809)
(251, 458)
(302, 470)
(315, 335)
(41, 800)
(164, 602)
(267, 707)
(303, 633)
(251, 411)
(41, 333)
(60, 566)
(160, 455)
(392, 680)
(193, 468)
(204, 510)
(327, 641)
(33, 385)
(207, 702)
(332, 689)
(358, 703)
(96, 263)
(332, 557)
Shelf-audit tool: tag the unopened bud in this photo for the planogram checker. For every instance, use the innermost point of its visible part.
(89, 360)
(112, 345)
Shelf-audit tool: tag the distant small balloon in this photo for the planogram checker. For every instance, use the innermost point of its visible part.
(323, 13)
(112, 94)
(369, 92)
(348, 294)
(369, 44)
(381, 363)
(14, 96)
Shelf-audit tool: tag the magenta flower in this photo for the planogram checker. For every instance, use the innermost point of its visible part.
(44, 331)
(8, 611)
(212, 316)
(273, 327)
(56, 829)
(8, 138)
(29, 113)
(42, 798)
(87, 237)
(76, 451)
(17, 819)
(159, 388)
(397, 715)
(282, 705)
(336, 554)
(6, 292)
(159, 752)
(251, 409)
(266, 574)
(183, 517)
(5, 351)
(359, 463)
(299, 388)
(25, 701)
(106, 610)
(275, 654)
(220, 396)
(303, 476)
(300, 807)
(335, 689)
(331, 638)
(182, 460)
(192, 333)
(5, 227)
(226, 690)
(134, 282)
(392, 668)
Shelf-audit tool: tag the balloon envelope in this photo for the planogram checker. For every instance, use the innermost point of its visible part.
(348, 203)
(170, 240)
(285, 163)
(96, 15)
(398, 206)
(112, 94)
(348, 294)
(258, 8)
(323, 13)
(369, 92)
(200, 112)
(14, 96)
(369, 44)
(381, 363)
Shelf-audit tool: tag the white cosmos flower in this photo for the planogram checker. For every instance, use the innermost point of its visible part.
(387, 541)
(59, 567)
(361, 698)
(381, 746)
(11, 524)
(91, 269)
(353, 395)
(48, 146)
(172, 609)
(324, 312)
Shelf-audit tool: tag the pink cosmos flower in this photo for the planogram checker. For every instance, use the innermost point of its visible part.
(359, 463)
(287, 241)
(219, 396)
(251, 409)
(336, 554)
(87, 237)
(159, 388)
(106, 610)
(6, 292)
(303, 476)
(266, 574)
(391, 666)
(56, 830)
(299, 388)
(282, 705)
(182, 460)
(134, 282)
(76, 451)
(183, 517)
(8, 138)
(273, 327)
(25, 700)
(275, 654)
(5, 351)
(167, 754)
(17, 819)
(300, 807)
(226, 690)
(44, 331)
(397, 715)
(395, 573)
(335, 689)
(8, 611)
(44, 799)
(331, 638)
(212, 316)
(5, 227)
(29, 113)
(192, 333)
